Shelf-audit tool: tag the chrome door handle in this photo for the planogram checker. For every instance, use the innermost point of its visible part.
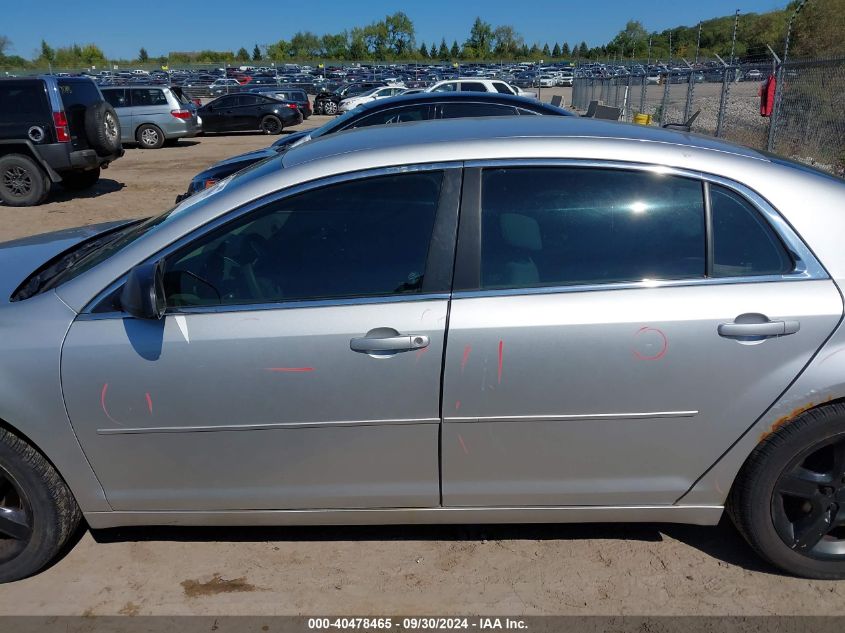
(765, 329)
(389, 344)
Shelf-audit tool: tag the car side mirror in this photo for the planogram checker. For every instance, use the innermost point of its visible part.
(143, 293)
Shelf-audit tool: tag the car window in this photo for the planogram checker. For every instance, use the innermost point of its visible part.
(148, 97)
(527, 112)
(450, 87)
(117, 98)
(503, 88)
(226, 102)
(78, 93)
(336, 241)
(743, 242)
(464, 110)
(473, 86)
(19, 102)
(250, 100)
(394, 115)
(570, 226)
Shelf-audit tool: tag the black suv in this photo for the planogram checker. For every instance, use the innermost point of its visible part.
(53, 130)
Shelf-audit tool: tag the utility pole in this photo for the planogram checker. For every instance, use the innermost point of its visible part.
(670, 49)
(648, 63)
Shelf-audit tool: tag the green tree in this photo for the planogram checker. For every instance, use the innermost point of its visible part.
(256, 53)
(556, 50)
(582, 49)
(335, 46)
(358, 44)
(443, 53)
(47, 53)
(506, 41)
(5, 44)
(455, 52)
(432, 53)
(278, 51)
(480, 39)
(143, 56)
(546, 51)
(423, 51)
(305, 45)
(400, 34)
(242, 55)
(564, 50)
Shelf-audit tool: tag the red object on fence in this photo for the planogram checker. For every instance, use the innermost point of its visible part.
(767, 96)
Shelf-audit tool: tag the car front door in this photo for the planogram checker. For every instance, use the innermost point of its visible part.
(215, 113)
(298, 363)
(614, 330)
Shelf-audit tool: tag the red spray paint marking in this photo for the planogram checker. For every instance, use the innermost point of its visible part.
(662, 351)
(103, 402)
(421, 351)
(463, 446)
(465, 358)
(457, 404)
(149, 402)
(289, 369)
(501, 358)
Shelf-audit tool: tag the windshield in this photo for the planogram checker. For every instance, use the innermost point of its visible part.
(88, 254)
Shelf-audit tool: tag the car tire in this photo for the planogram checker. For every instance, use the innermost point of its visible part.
(149, 136)
(80, 180)
(788, 501)
(102, 128)
(271, 124)
(22, 181)
(37, 508)
(329, 108)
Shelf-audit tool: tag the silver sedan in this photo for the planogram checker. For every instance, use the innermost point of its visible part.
(527, 319)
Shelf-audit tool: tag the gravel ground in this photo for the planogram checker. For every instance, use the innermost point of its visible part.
(556, 569)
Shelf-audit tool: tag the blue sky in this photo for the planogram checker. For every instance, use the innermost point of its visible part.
(121, 28)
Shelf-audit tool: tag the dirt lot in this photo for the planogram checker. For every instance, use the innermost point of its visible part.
(589, 569)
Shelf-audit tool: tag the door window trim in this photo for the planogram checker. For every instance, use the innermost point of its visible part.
(468, 261)
(439, 265)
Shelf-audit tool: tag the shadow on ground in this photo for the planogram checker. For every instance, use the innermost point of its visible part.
(104, 186)
(721, 542)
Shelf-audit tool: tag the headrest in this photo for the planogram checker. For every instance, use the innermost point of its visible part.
(520, 231)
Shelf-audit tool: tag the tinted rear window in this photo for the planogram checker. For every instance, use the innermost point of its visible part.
(570, 226)
(22, 101)
(78, 93)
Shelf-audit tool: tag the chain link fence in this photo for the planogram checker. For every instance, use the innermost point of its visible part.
(807, 123)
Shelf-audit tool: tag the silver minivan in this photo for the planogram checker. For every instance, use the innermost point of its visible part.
(153, 116)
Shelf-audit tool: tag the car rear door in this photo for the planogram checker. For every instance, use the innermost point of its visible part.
(614, 330)
(299, 362)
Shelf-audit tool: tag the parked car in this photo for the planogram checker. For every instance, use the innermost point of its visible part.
(153, 116)
(298, 96)
(598, 362)
(225, 86)
(401, 109)
(753, 75)
(53, 130)
(326, 102)
(350, 103)
(477, 84)
(248, 111)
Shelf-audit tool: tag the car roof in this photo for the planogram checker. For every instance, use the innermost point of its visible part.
(450, 135)
(474, 97)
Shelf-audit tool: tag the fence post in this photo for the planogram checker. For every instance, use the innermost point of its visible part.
(690, 93)
(723, 101)
(628, 98)
(665, 103)
(773, 120)
(643, 92)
